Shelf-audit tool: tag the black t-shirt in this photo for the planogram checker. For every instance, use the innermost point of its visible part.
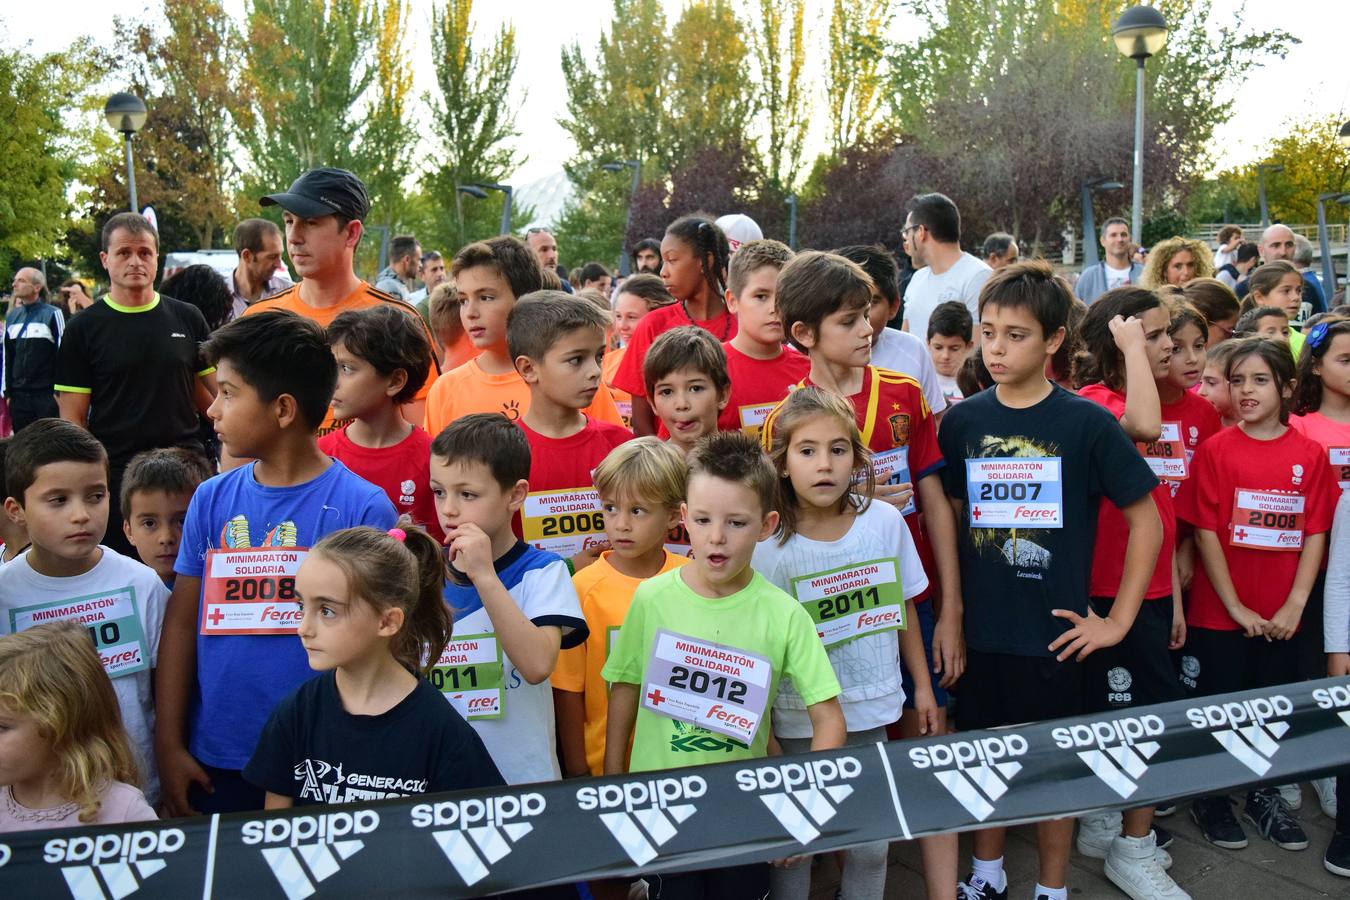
(140, 366)
(1012, 577)
(314, 751)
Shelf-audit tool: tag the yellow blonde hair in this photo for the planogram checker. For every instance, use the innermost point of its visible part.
(644, 468)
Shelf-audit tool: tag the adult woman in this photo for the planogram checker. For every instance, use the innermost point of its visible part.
(1176, 261)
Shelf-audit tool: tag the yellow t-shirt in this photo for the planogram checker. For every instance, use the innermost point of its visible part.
(468, 389)
(605, 594)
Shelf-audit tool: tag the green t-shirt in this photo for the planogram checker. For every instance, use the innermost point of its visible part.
(763, 623)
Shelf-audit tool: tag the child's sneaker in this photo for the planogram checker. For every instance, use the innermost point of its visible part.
(1096, 831)
(1214, 816)
(1266, 810)
(1131, 866)
(1326, 795)
(1292, 795)
(1337, 858)
(976, 888)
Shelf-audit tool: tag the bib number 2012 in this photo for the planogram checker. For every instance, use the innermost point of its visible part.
(1003, 490)
(260, 588)
(700, 682)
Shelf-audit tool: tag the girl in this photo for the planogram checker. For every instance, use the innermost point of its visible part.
(1195, 420)
(827, 533)
(1269, 322)
(694, 254)
(368, 727)
(1261, 498)
(64, 757)
(1127, 351)
(1214, 382)
(1176, 261)
(1278, 284)
(637, 296)
(1217, 303)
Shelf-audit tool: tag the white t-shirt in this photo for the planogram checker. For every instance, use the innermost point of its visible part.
(902, 352)
(868, 668)
(926, 290)
(98, 599)
(950, 389)
(1115, 277)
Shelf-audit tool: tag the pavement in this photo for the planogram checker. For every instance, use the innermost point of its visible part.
(1262, 870)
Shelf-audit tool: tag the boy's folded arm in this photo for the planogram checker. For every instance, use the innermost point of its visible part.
(623, 705)
(176, 663)
(532, 649)
(828, 730)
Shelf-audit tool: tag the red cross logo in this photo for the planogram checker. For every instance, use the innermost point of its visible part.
(655, 697)
(215, 617)
(1240, 534)
(976, 514)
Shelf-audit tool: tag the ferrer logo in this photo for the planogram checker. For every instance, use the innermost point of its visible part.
(1116, 753)
(309, 844)
(980, 775)
(482, 832)
(801, 796)
(1245, 728)
(642, 815)
(112, 863)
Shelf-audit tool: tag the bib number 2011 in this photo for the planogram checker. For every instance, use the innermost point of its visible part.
(843, 604)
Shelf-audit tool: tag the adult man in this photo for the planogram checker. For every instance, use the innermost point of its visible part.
(1277, 242)
(432, 273)
(322, 213)
(1000, 250)
(647, 257)
(129, 369)
(932, 238)
(33, 331)
(545, 248)
(405, 258)
(1113, 271)
(258, 243)
(1314, 301)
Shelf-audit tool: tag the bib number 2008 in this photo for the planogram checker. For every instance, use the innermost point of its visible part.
(260, 588)
(700, 682)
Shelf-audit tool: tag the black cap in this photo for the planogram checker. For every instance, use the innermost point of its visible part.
(323, 192)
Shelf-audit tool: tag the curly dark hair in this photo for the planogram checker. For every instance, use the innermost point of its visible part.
(203, 287)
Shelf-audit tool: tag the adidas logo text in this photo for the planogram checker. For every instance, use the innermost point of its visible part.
(483, 831)
(1245, 728)
(309, 844)
(649, 807)
(1117, 753)
(982, 770)
(114, 864)
(807, 798)
(1334, 697)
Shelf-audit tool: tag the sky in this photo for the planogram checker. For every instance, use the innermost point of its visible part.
(1313, 80)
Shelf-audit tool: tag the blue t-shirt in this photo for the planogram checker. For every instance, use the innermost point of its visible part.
(241, 678)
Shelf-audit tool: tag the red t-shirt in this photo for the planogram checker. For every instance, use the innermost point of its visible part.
(652, 326)
(1197, 421)
(758, 385)
(1113, 532)
(1230, 468)
(562, 509)
(402, 471)
(1335, 440)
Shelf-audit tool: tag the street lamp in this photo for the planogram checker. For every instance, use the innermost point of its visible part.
(626, 258)
(1328, 264)
(1261, 171)
(1139, 33)
(126, 113)
(1090, 257)
(792, 221)
(1344, 200)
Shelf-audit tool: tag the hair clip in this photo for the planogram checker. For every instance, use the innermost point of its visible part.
(1317, 335)
(398, 534)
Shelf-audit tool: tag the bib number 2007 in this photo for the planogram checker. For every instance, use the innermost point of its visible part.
(1004, 490)
(700, 682)
(260, 588)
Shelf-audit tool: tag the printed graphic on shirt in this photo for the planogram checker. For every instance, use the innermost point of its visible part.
(720, 688)
(251, 590)
(1013, 497)
(112, 621)
(324, 782)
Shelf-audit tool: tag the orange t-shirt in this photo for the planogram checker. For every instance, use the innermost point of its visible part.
(468, 389)
(622, 399)
(364, 297)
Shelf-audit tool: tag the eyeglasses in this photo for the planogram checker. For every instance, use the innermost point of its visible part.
(904, 232)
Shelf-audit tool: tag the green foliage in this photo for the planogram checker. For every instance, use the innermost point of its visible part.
(778, 42)
(1314, 163)
(1163, 224)
(856, 48)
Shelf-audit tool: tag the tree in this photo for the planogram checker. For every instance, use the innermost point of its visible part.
(707, 104)
(855, 50)
(1314, 163)
(389, 137)
(779, 52)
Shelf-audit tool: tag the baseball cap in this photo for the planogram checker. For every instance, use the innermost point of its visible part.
(323, 192)
(739, 229)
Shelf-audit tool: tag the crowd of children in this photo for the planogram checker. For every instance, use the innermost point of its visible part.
(593, 510)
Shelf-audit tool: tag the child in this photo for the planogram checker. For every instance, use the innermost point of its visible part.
(454, 346)
(1214, 382)
(1196, 421)
(761, 369)
(230, 654)
(57, 475)
(557, 344)
(637, 296)
(371, 616)
(514, 605)
(382, 358)
(1217, 303)
(157, 486)
(1277, 284)
(719, 605)
(490, 277)
(686, 384)
(1265, 321)
(13, 535)
(824, 529)
(1025, 580)
(1336, 625)
(641, 485)
(950, 340)
(1261, 500)
(64, 756)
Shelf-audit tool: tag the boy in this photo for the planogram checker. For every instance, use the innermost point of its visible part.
(57, 477)
(641, 486)
(685, 375)
(761, 369)
(557, 344)
(718, 605)
(1026, 580)
(514, 606)
(12, 534)
(157, 487)
(230, 652)
(950, 340)
(382, 358)
(490, 276)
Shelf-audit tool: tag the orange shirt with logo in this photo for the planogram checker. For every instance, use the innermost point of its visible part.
(468, 389)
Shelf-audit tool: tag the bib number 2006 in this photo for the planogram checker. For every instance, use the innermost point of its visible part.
(580, 523)
(701, 682)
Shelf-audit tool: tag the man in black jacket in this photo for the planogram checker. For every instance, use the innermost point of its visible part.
(33, 332)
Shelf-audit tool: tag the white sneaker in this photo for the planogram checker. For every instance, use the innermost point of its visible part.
(1292, 795)
(1131, 866)
(1326, 795)
(1096, 831)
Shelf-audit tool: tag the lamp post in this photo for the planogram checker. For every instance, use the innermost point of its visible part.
(792, 221)
(126, 113)
(1139, 33)
(480, 191)
(1090, 257)
(1328, 264)
(1344, 200)
(626, 258)
(1261, 171)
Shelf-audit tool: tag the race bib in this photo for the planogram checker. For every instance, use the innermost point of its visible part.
(677, 542)
(1340, 465)
(469, 674)
(625, 412)
(853, 601)
(1015, 492)
(1167, 456)
(892, 467)
(112, 622)
(710, 685)
(753, 416)
(1267, 520)
(251, 591)
(565, 522)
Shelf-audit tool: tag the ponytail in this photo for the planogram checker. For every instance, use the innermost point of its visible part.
(427, 628)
